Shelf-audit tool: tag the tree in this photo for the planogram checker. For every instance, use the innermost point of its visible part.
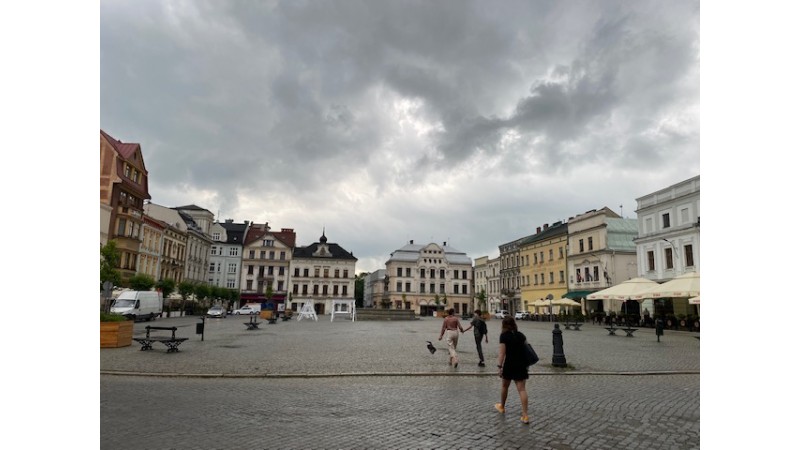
(359, 289)
(482, 300)
(109, 261)
(201, 292)
(185, 289)
(167, 287)
(141, 282)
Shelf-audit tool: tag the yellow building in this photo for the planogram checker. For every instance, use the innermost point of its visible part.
(543, 271)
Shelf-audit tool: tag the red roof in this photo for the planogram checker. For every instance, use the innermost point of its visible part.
(125, 150)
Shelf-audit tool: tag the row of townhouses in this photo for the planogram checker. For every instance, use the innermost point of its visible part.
(572, 258)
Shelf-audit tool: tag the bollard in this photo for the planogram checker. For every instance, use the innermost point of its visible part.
(659, 329)
(559, 360)
(200, 328)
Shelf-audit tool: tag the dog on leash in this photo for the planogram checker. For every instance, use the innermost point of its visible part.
(431, 348)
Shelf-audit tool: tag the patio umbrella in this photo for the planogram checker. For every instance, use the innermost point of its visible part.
(540, 303)
(566, 302)
(686, 285)
(627, 290)
(694, 300)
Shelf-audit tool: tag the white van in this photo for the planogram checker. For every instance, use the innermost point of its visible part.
(138, 304)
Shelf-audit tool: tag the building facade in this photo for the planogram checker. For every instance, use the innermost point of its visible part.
(225, 256)
(123, 190)
(510, 293)
(374, 288)
(602, 253)
(150, 248)
(668, 243)
(320, 274)
(426, 277)
(544, 265)
(266, 256)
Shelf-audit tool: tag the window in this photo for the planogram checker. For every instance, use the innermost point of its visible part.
(325, 272)
(408, 271)
(560, 276)
(295, 289)
(422, 288)
(281, 270)
(297, 271)
(252, 254)
(325, 289)
(263, 254)
(580, 245)
(344, 291)
(270, 270)
(560, 252)
(541, 257)
(233, 251)
(651, 261)
(211, 267)
(305, 289)
(399, 286)
(260, 271)
(665, 220)
(668, 257)
(267, 243)
(272, 254)
(441, 274)
(433, 273)
(121, 225)
(552, 280)
(283, 256)
(586, 275)
(399, 272)
(249, 269)
(464, 274)
(305, 272)
(280, 286)
(408, 287)
(441, 288)
(345, 274)
(215, 236)
(422, 273)
(687, 250)
(433, 288)
(213, 250)
(455, 274)
(596, 273)
(249, 285)
(316, 289)
(232, 268)
(535, 258)
(550, 253)
(316, 272)
(127, 171)
(336, 273)
(335, 290)
(231, 284)
(591, 245)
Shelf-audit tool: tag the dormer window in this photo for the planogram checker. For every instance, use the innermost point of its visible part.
(267, 243)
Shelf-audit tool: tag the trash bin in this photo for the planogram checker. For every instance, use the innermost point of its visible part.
(199, 328)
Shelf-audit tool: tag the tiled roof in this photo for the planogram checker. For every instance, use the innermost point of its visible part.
(336, 250)
(125, 150)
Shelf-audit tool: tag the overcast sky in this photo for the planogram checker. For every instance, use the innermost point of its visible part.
(470, 122)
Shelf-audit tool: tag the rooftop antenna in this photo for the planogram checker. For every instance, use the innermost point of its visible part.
(620, 212)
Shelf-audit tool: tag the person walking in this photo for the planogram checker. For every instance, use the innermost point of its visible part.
(450, 328)
(480, 332)
(512, 365)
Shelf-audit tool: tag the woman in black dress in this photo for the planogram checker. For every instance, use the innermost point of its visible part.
(512, 365)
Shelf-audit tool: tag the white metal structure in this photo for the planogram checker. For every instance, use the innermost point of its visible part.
(307, 311)
(344, 307)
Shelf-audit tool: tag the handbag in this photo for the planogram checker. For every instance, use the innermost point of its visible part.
(530, 354)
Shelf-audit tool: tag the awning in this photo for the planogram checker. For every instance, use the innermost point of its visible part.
(576, 294)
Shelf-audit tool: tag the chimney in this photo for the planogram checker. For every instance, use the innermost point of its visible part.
(228, 220)
(546, 226)
(246, 222)
(444, 244)
(411, 242)
(538, 230)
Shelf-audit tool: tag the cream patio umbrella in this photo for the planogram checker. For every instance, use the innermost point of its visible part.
(694, 300)
(566, 302)
(540, 303)
(683, 286)
(627, 290)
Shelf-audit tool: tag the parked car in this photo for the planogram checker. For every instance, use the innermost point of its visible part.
(217, 311)
(246, 310)
(500, 314)
(522, 315)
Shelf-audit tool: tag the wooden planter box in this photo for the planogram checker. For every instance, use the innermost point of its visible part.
(265, 314)
(116, 334)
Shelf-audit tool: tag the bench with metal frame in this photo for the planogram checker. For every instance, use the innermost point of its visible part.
(172, 342)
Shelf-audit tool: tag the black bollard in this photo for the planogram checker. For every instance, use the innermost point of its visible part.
(559, 360)
(659, 329)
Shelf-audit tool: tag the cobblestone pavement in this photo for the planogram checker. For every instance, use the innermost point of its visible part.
(368, 384)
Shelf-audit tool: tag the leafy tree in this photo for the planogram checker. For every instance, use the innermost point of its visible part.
(167, 287)
(185, 289)
(202, 291)
(482, 300)
(141, 282)
(234, 295)
(359, 289)
(109, 261)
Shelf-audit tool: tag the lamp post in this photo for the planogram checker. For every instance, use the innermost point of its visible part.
(674, 249)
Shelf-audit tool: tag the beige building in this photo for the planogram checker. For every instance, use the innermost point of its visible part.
(510, 281)
(150, 248)
(543, 272)
(266, 256)
(487, 280)
(123, 190)
(602, 254)
(420, 275)
(320, 274)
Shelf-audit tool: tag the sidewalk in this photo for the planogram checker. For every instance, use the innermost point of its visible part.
(342, 348)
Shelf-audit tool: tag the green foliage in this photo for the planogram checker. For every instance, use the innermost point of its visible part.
(167, 287)
(234, 295)
(359, 289)
(106, 317)
(482, 300)
(269, 292)
(141, 282)
(202, 291)
(109, 261)
(185, 289)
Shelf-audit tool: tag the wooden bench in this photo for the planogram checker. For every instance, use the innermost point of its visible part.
(629, 331)
(172, 342)
(574, 325)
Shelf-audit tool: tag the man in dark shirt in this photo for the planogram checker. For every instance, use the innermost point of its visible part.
(480, 331)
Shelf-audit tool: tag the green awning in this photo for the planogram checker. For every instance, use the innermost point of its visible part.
(577, 294)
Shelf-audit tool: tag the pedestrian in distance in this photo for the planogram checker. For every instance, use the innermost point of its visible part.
(481, 332)
(450, 328)
(512, 365)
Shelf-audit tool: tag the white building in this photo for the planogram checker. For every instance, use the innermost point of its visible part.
(419, 275)
(225, 258)
(373, 288)
(322, 273)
